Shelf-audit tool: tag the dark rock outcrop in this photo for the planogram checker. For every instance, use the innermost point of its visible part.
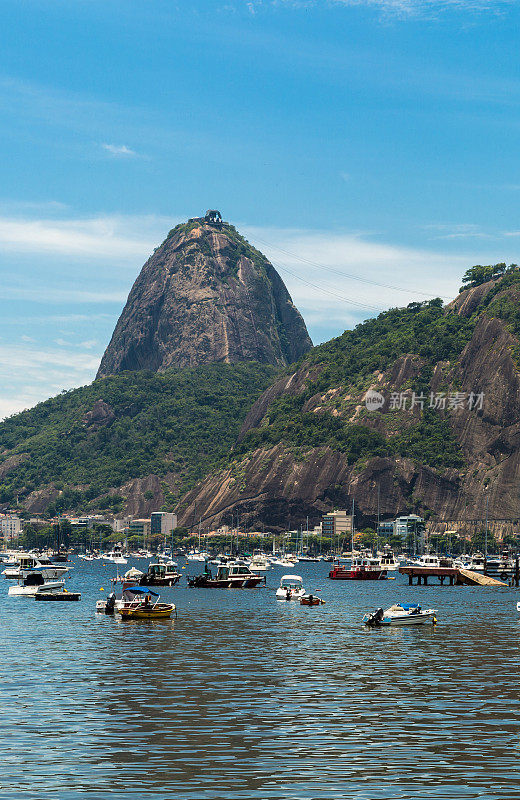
(281, 485)
(100, 415)
(205, 296)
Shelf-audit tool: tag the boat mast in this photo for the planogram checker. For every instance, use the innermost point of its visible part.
(378, 503)
(352, 527)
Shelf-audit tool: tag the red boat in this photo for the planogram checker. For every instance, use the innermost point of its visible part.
(360, 569)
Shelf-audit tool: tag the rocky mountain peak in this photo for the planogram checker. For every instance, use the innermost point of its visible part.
(206, 296)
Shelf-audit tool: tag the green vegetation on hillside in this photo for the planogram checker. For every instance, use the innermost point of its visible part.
(179, 421)
(349, 362)
(479, 274)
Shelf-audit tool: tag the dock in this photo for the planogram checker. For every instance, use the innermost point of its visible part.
(452, 574)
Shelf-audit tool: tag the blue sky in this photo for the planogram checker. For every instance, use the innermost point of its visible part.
(345, 138)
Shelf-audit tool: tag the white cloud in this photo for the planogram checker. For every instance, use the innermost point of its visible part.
(89, 344)
(29, 375)
(118, 150)
(349, 272)
(47, 294)
(94, 237)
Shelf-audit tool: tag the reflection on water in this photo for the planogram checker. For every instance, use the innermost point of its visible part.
(246, 697)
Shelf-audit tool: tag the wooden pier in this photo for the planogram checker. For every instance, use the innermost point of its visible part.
(452, 574)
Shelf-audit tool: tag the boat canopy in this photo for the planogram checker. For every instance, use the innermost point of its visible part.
(140, 590)
(291, 579)
(408, 606)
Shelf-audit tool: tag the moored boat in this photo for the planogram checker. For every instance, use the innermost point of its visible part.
(311, 600)
(141, 605)
(401, 614)
(227, 576)
(33, 581)
(160, 574)
(291, 588)
(360, 569)
(29, 561)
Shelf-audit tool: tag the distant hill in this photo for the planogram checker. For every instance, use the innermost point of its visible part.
(206, 296)
(130, 442)
(310, 443)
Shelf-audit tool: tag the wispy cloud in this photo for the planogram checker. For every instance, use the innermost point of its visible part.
(459, 231)
(95, 237)
(119, 150)
(343, 277)
(415, 8)
(30, 375)
(46, 294)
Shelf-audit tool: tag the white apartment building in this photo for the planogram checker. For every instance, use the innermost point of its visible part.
(10, 527)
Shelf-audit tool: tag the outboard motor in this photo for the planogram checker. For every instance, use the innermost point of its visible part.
(375, 619)
(110, 604)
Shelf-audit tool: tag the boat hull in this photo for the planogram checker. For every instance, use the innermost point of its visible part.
(170, 580)
(201, 582)
(409, 619)
(357, 575)
(164, 612)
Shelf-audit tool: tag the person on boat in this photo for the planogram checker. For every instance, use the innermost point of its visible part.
(147, 600)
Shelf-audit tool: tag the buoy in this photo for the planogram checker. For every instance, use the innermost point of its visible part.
(101, 589)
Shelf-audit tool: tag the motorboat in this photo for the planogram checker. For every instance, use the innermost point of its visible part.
(389, 561)
(195, 555)
(311, 600)
(116, 555)
(313, 559)
(227, 576)
(135, 603)
(160, 574)
(477, 562)
(401, 614)
(291, 588)
(59, 556)
(499, 567)
(427, 561)
(139, 603)
(259, 563)
(33, 581)
(359, 569)
(29, 561)
(282, 562)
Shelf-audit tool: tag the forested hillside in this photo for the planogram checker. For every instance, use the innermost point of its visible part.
(86, 441)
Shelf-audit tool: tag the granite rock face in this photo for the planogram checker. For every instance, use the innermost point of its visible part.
(279, 487)
(205, 296)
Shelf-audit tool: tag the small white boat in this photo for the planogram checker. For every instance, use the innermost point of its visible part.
(196, 556)
(291, 588)
(389, 561)
(259, 563)
(282, 562)
(116, 555)
(401, 614)
(32, 582)
(427, 561)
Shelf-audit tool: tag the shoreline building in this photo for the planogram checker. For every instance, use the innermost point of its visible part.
(336, 524)
(10, 527)
(162, 523)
